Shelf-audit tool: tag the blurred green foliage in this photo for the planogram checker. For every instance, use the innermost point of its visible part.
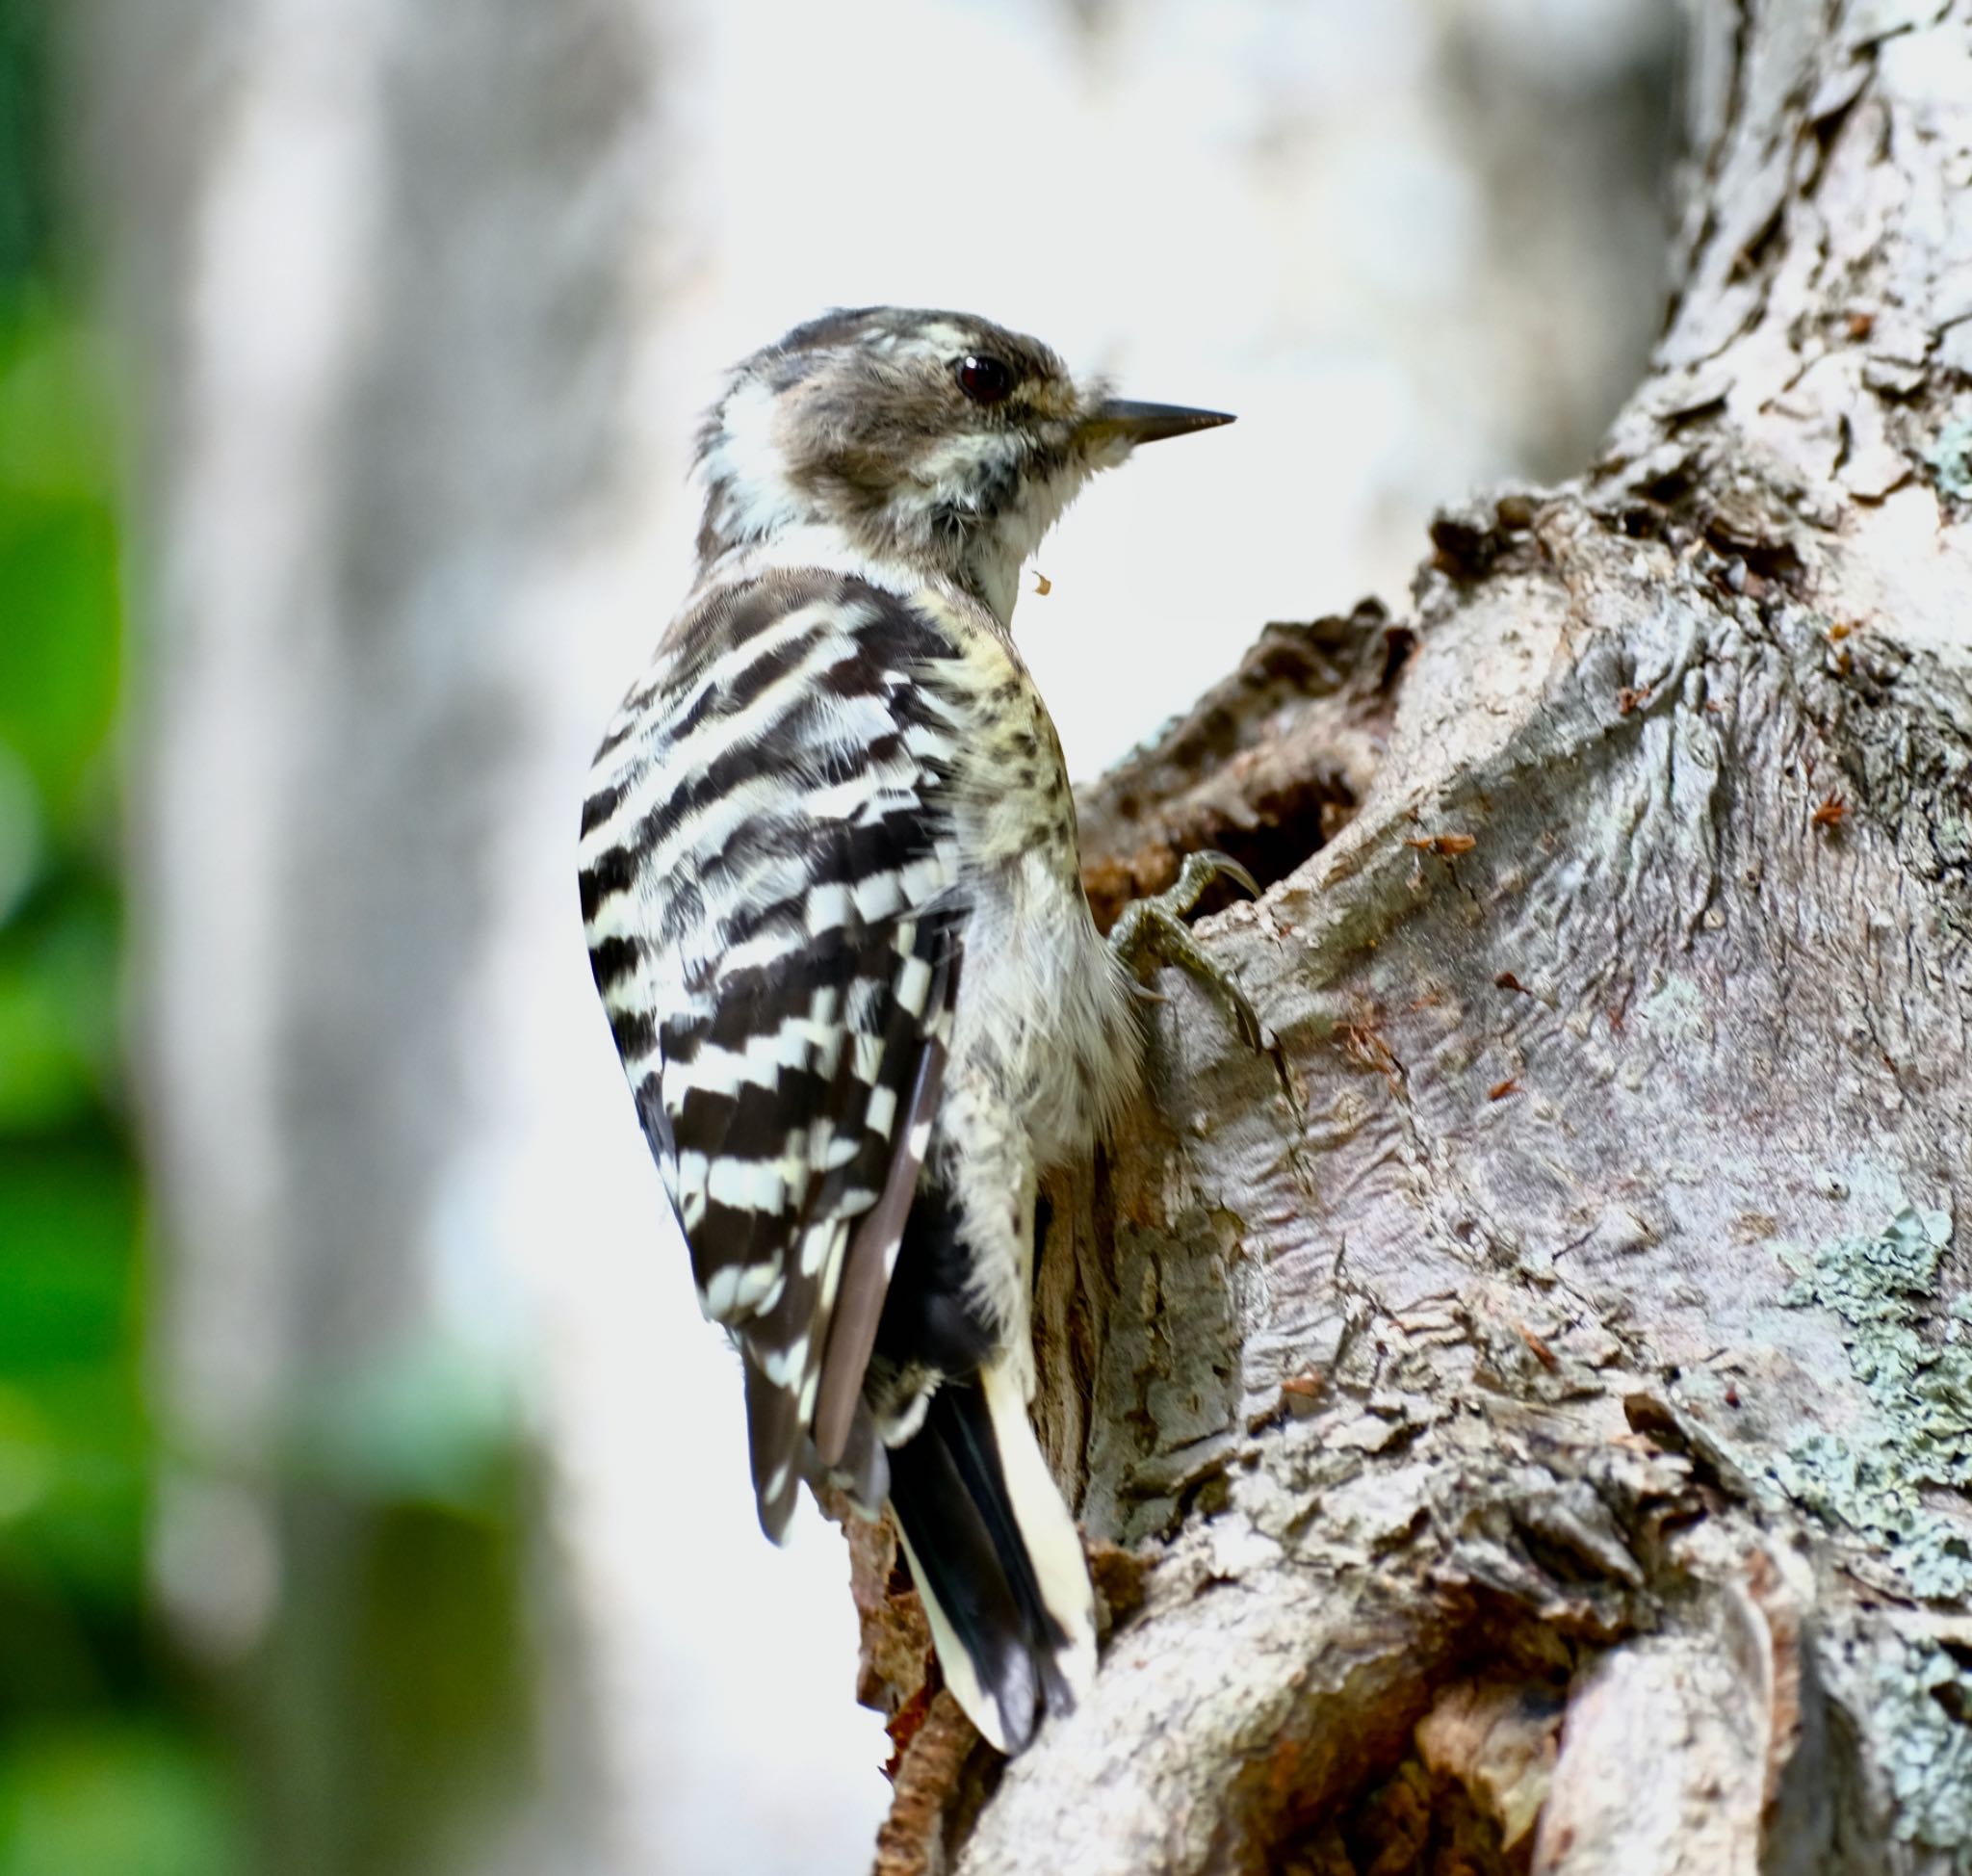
(107, 1767)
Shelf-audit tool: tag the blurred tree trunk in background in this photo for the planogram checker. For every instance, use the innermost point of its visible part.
(1524, 1417)
(378, 257)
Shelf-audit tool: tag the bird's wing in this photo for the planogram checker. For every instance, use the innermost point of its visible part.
(770, 881)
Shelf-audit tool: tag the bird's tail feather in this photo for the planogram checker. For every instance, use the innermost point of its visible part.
(995, 1558)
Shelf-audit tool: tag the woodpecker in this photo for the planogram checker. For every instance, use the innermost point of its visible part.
(833, 897)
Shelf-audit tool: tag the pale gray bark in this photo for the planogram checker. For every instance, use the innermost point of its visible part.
(1527, 1413)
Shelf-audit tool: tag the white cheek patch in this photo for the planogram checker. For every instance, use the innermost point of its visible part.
(747, 461)
(956, 464)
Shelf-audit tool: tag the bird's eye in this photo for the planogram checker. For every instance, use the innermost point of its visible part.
(984, 380)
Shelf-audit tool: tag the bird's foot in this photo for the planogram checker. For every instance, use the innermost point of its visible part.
(1153, 931)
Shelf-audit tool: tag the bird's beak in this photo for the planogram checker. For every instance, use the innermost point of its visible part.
(1124, 420)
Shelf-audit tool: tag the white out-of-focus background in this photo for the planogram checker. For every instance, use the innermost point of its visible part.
(386, 326)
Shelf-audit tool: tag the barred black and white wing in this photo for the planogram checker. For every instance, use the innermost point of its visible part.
(770, 887)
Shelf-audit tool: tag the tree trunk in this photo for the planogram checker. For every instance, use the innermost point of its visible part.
(1522, 1417)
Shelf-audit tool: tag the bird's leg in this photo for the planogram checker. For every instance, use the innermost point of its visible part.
(1154, 930)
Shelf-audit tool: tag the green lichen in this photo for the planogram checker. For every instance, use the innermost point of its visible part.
(1883, 1288)
(1920, 1436)
(1863, 1489)
(1917, 1440)
(1917, 1688)
(1951, 456)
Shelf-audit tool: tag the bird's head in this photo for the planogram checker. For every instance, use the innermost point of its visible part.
(935, 441)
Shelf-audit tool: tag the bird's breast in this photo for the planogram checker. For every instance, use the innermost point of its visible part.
(1045, 1017)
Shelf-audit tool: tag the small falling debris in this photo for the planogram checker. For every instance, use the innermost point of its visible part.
(1506, 980)
(1043, 585)
(1543, 1354)
(1832, 813)
(1501, 1089)
(1301, 1395)
(1444, 845)
(1631, 697)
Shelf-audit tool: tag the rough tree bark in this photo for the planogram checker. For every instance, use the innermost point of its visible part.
(1522, 1417)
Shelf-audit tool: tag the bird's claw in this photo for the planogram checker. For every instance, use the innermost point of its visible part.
(1154, 930)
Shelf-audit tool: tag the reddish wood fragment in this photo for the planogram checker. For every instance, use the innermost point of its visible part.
(903, 1726)
(1543, 1354)
(1444, 845)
